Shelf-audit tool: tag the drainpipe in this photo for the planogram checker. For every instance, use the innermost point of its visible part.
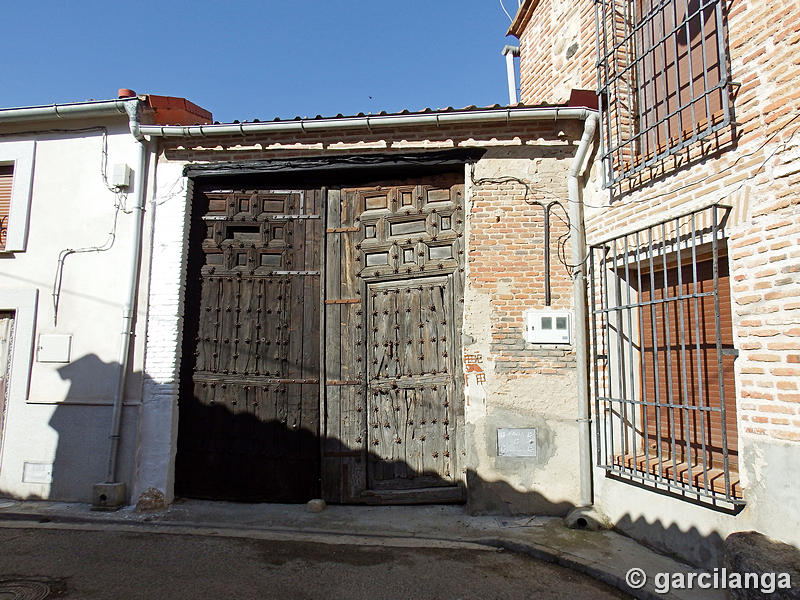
(111, 494)
(577, 258)
(510, 52)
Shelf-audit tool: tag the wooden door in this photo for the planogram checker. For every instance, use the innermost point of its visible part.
(249, 403)
(394, 298)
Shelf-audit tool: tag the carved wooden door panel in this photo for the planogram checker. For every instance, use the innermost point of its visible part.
(394, 299)
(249, 402)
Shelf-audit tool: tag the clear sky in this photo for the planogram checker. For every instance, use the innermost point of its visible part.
(248, 59)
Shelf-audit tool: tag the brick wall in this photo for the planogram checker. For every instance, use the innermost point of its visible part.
(165, 289)
(755, 168)
(506, 260)
(557, 51)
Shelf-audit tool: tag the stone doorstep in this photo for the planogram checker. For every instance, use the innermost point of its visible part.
(604, 555)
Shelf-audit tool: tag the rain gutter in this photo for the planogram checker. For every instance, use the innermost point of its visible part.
(75, 110)
(132, 287)
(371, 122)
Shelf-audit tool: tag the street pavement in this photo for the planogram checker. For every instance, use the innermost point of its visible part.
(75, 562)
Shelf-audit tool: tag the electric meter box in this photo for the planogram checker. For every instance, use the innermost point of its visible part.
(548, 326)
(54, 347)
(121, 176)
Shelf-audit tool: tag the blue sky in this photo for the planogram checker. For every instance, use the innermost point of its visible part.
(248, 59)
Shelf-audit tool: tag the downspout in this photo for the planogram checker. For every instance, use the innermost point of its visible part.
(111, 495)
(510, 52)
(577, 260)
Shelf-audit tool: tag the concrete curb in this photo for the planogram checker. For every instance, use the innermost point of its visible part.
(575, 564)
(321, 537)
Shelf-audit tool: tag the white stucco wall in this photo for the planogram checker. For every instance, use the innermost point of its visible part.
(63, 417)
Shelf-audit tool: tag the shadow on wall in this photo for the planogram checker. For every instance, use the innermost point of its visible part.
(232, 453)
(82, 424)
(246, 459)
(692, 546)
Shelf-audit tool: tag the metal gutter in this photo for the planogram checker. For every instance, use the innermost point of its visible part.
(73, 110)
(371, 122)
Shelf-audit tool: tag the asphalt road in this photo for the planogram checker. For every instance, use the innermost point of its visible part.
(115, 565)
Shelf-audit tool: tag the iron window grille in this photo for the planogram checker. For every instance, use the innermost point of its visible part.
(662, 357)
(663, 80)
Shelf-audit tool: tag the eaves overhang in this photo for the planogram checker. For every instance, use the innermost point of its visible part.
(522, 17)
(370, 123)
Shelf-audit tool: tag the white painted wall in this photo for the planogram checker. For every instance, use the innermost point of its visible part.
(157, 437)
(63, 417)
(695, 531)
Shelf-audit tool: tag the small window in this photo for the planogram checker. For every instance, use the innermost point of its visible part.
(16, 178)
(6, 180)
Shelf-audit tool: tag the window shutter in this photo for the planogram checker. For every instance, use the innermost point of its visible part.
(689, 377)
(6, 178)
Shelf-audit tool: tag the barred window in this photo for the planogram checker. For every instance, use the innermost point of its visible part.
(663, 79)
(663, 354)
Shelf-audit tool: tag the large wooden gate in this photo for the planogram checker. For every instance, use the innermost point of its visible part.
(393, 296)
(249, 404)
(391, 419)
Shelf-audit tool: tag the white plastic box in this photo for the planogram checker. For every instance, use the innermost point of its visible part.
(548, 326)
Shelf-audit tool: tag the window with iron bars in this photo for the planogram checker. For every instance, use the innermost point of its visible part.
(662, 344)
(663, 81)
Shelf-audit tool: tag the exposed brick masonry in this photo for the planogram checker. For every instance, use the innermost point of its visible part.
(506, 256)
(759, 175)
(506, 259)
